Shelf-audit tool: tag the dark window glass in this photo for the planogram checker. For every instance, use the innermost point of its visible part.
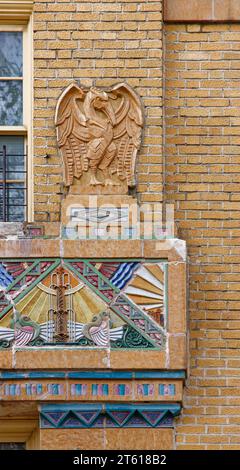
(15, 162)
(12, 179)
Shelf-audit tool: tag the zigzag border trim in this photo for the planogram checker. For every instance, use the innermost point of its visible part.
(107, 415)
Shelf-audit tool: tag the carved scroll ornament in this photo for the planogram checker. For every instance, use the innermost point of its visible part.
(99, 134)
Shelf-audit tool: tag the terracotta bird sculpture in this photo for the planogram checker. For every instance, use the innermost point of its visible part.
(99, 330)
(99, 133)
(23, 330)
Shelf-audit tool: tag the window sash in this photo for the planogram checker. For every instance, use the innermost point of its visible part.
(25, 82)
(11, 62)
(26, 128)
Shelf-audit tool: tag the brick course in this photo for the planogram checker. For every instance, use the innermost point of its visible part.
(99, 43)
(202, 179)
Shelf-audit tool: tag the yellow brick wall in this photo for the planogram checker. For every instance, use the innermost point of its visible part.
(202, 99)
(99, 43)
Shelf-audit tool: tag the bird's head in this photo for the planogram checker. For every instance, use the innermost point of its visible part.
(100, 101)
(104, 315)
(26, 318)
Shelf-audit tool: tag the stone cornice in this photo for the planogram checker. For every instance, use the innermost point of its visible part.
(205, 11)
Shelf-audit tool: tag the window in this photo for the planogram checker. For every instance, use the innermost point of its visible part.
(11, 78)
(12, 179)
(15, 122)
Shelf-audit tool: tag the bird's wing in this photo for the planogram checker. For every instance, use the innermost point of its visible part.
(72, 132)
(75, 330)
(23, 336)
(128, 130)
(47, 331)
(6, 334)
(116, 333)
(99, 335)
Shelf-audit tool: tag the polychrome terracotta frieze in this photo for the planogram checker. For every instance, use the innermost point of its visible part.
(119, 304)
(91, 385)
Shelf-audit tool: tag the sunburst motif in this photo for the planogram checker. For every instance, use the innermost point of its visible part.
(37, 304)
(146, 289)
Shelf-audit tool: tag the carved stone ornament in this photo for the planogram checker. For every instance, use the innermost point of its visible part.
(99, 134)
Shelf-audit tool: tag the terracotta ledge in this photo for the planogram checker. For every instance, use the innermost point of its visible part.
(172, 249)
(197, 11)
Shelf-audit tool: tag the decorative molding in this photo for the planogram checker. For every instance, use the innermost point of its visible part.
(96, 386)
(90, 390)
(65, 416)
(123, 375)
(16, 11)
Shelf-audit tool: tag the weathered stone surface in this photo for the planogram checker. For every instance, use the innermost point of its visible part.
(201, 11)
(142, 439)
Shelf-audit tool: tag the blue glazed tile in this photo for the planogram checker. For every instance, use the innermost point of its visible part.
(54, 389)
(5, 278)
(121, 389)
(78, 389)
(12, 390)
(34, 389)
(95, 375)
(28, 388)
(100, 389)
(108, 415)
(105, 389)
(39, 389)
(167, 389)
(160, 374)
(47, 375)
(100, 375)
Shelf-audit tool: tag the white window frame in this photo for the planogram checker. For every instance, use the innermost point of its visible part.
(16, 16)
